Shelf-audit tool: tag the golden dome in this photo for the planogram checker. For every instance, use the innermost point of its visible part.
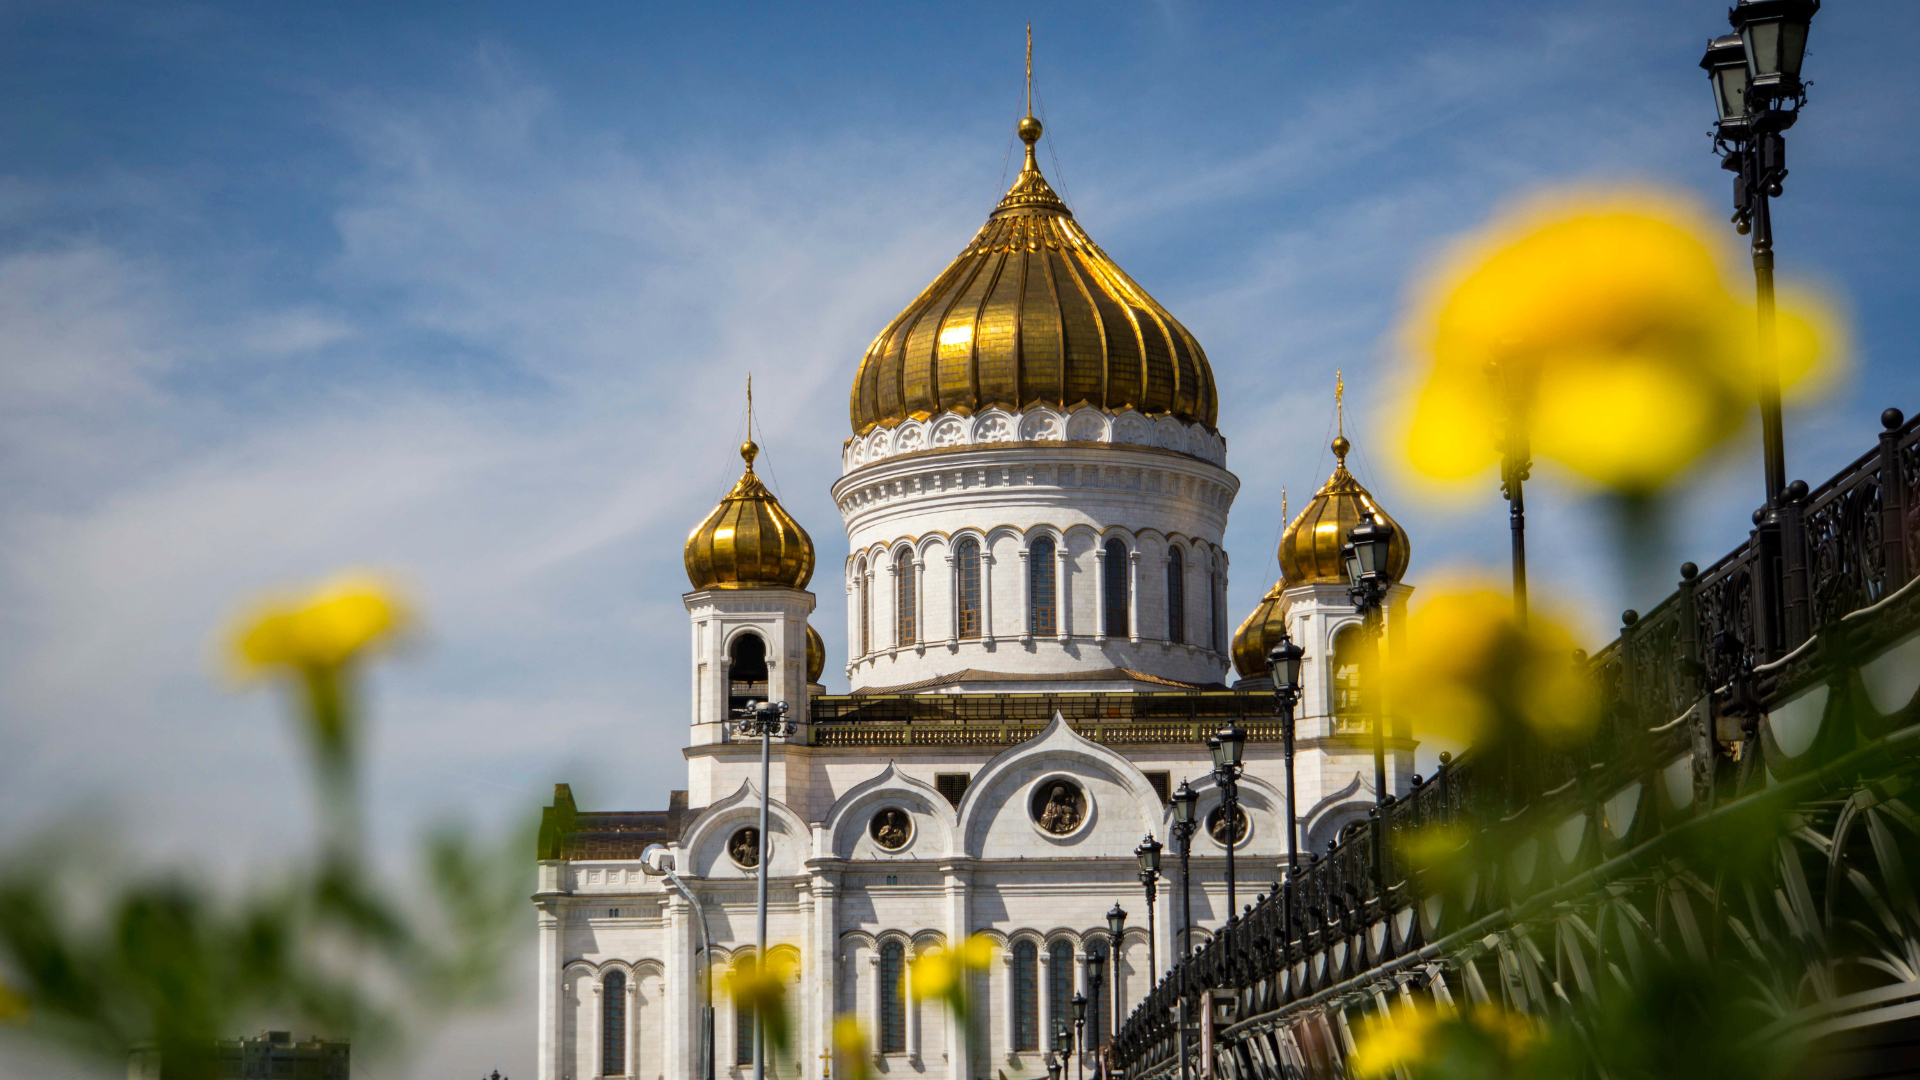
(816, 655)
(749, 541)
(1032, 311)
(1259, 633)
(1310, 548)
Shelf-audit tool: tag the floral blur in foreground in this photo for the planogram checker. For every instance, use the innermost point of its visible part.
(1602, 328)
(762, 989)
(942, 973)
(1486, 1043)
(1470, 672)
(850, 1053)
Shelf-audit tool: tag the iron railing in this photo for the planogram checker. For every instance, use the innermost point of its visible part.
(1829, 551)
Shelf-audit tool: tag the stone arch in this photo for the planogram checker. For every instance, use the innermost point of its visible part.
(846, 821)
(1058, 748)
(705, 839)
(1323, 820)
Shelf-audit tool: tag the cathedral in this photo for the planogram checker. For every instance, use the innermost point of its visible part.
(1035, 493)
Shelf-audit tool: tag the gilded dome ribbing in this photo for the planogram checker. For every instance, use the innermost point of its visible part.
(1032, 311)
(816, 655)
(1260, 633)
(1310, 548)
(749, 541)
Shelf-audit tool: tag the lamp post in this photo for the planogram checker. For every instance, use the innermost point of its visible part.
(1227, 748)
(1063, 1044)
(1079, 1035)
(1096, 978)
(1116, 929)
(1053, 1069)
(1755, 74)
(764, 719)
(1185, 799)
(1283, 665)
(1149, 855)
(1368, 546)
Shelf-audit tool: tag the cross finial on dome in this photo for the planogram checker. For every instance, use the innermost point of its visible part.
(749, 450)
(1340, 443)
(1030, 128)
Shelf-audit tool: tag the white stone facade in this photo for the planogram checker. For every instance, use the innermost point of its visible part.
(1095, 488)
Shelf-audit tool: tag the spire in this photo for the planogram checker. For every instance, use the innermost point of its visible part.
(749, 449)
(1030, 190)
(1029, 69)
(1340, 443)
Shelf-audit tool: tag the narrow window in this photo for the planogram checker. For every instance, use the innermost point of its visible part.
(1213, 609)
(893, 1007)
(746, 670)
(1117, 589)
(866, 610)
(1026, 996)
(742, 1034)
(1043, 620)
(1349, 694)
(1176, 597)
(613, 1024)
(953, 785)
(903, 584)
(1060, 984)
(1161, 781)
(967, 564)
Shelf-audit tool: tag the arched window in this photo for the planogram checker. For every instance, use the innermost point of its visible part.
(1213, 609)
(1043, 615)
(1116, 589)
(613, 1024)
(967, 566)
(1059, 984)
(1349, 700)
(1026, 996)
(746, 670)
(1176, 597)
(893, 1006)
(903, 593)
(866, 609)
(742, 1033)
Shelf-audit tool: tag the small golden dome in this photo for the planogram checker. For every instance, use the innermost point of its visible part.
(816, 655)
(1032, 311)
(1310, 548)
(1260, 632)
(749, 541)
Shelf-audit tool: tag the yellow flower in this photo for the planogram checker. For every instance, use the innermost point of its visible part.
(1470, 671)
(976, 953)
(1486, 1042)
(850, 1059)
(935, 973)
(321, 630)
(14, 1007)
(762, 989)
(1603, 329)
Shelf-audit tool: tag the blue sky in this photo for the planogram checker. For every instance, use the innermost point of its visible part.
(468, 291)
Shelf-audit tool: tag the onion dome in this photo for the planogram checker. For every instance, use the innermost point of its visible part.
(1261, 632)
(816, 655)
(1031, 312)
(1310, 548)
(749, 541)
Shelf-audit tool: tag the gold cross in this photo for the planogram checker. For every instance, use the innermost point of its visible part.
(826, 1064)
(1339, 399)
(1029, 69)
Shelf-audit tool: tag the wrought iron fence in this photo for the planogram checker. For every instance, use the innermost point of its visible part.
(1829, 551)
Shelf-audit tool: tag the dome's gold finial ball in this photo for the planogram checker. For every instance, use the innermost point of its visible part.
(1029, 130)
(749, 451)
(1341, 446)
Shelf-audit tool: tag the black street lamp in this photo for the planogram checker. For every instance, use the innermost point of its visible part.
(1185, 799)
(1062, 1044)
(1757, 92)
(1080, 1034)
(1096, 978)
(1116, 929)
(1283, 664)
(1228, 748)
(1368, 547)
(1149, 855)
(762, 720)
(1053, 1069)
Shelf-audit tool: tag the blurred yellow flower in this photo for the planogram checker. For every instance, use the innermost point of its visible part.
(321, 630)
(762, 989)
(976, 953)
(1469, 671)
(850, 1058)
(935, 973)
(13, 1006)
(1488, 1041)
(1603, 328)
